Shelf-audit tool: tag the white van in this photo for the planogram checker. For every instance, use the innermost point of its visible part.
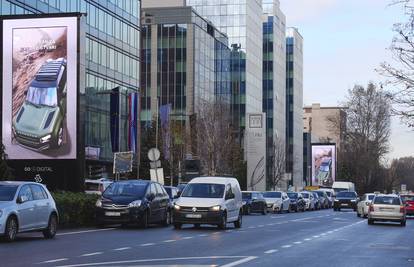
(343, 186)
(209, 200)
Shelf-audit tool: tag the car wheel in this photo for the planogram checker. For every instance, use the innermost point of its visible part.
(167, 220)
(177, 226)
(403, 223)
(239, 222)
(370, 221)
(222, 225)
(144, 220)
(51, 229)
(12, 228)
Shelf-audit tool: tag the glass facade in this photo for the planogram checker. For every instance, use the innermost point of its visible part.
(294, 105)
(241, 21)
(112, 59)
(192, 63)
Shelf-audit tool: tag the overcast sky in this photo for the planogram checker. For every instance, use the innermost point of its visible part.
(344, 41)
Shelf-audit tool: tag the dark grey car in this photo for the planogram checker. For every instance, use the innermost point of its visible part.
(26, 207)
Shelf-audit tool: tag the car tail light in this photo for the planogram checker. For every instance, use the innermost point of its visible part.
(402, 209)
(371, 208)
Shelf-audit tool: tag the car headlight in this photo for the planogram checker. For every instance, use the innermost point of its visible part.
(367, 203)
(45, 138)
(98, 203)
(135, 204)
(244, 202)
(353, 200)
(215, 208)
(176, 207)
(336, 200)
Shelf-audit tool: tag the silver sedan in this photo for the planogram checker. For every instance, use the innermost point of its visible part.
(26, 207)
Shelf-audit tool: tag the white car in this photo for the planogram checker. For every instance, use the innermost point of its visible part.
(277, 201)
(363, 205)
(209, 200)
(97, 186)
(309, 200)
(387, 208)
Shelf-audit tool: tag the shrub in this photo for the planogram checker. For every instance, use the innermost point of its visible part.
(75, 209)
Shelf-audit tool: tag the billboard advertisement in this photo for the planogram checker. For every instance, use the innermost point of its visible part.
(39, 87)
(323, 164)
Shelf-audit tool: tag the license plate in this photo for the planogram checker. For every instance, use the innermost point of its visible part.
(112, 213)
(193, 216)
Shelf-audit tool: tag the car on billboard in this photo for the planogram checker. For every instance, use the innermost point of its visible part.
(39, 123)
(324, 175)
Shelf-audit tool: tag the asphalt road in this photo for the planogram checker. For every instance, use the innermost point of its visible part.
(319, 238)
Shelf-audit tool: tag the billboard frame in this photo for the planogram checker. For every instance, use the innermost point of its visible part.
(312, 171)
(27, 169)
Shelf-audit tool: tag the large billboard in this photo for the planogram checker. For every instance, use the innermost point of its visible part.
(39, 87)
(323, 164)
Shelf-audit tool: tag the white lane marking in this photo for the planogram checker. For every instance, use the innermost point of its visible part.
(297, 242)
(316, 236)
(244, 258)
(286, 246)
(330, 232)
(91, 254)
(169, 241)
(56, 260)
(86, 231)
(147, 244)
(216, 233)
(203, 235)
(229, 231)
(307, 239)
(260, 226)
(187, 237)
(239, 262)
(124, 248)
(269, 224)
(274, 217)
(251, 227)
(271, 251)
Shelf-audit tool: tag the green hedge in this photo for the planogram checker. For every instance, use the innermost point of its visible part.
(75, 209)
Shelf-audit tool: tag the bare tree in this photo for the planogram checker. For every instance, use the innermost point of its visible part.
(278, 165)
(400, 74)
(366, 138)
(215, 137)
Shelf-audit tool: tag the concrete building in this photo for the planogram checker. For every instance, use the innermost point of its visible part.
(294, 106)
(274, 79)
(111, 60)
(319, 120)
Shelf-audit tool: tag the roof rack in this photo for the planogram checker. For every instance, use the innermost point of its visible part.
(49, 70)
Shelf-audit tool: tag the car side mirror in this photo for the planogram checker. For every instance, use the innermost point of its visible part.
(151, 197)
(21, 199)
(176, 196)
(179, 194)
(230, 196)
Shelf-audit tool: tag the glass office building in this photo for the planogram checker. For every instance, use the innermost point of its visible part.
(241, 21)
(185, 60)
(294, 106)
(112, 60)
(274, 79)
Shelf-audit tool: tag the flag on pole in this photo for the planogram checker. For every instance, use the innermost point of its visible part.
(165, 111)
(133, 102)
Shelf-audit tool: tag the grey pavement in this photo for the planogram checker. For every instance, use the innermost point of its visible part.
(319, 238)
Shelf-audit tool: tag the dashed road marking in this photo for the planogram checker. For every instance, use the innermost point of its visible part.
(86, 231)
(169, 241)
(187, 237)
(55, 260)
(91, 254)
(147, 244)
(271, 251)
(203, 235)
(307, 239)
(316, 236)
(121, 249)
(286, 246)
(297, 242)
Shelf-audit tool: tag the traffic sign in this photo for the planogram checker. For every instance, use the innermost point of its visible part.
(154, 154)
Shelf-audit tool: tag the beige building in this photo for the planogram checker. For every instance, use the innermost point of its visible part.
(317, 121)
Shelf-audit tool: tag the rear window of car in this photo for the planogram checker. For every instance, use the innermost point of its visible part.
(387, 200)
(292, 195)
(320, 193)
(305, 195)
(371, 197)
(246, 195)
(346, 194)
(407, 198)
(272, 194)
(7, 192)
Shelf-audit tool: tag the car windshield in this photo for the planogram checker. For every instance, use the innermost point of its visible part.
(346, 194)
(371, 197)
(204, 190)
(246, 195)
(292, 195)
(324, 168)
(386, 200)
(272, 194)
(7, 192)
(340, 189)
(305, 195)
(407, 198)
(319, 193)
(168, 189)
(126, 189)
(42, 96)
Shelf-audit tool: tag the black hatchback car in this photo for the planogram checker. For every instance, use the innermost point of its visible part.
(133, 202)
(297, 203)
(253, 202)
(345, 199)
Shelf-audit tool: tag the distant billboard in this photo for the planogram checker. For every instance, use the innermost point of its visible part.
(323, 164)
(39, 87)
